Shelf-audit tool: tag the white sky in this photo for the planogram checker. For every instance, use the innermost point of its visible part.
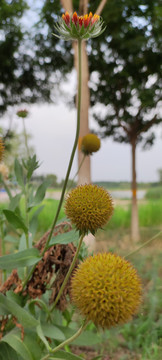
(53, 130)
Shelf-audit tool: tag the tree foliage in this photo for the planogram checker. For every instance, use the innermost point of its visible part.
(126, 70)
(21, 74)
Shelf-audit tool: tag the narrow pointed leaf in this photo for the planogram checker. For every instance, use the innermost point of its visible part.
(42, 337)
(53, 332)
(19, 173)
(23, 316)
(15, 220)
(65, 238)
(27, 348)
(20, 259)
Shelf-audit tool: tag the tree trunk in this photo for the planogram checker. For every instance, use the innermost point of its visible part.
(84, 172)
(84, 175)
(135, 236)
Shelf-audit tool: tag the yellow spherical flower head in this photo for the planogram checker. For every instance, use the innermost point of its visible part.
(90, 144)
(89, 207)
(1, 149)
(106, 289)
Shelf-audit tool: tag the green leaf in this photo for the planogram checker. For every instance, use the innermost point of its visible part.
(87, 338)
(31, 165)
(65, 356)
(24, 318)
(42, 304)
(65, 238)
(19, 173)
(11, 239)
(41, 191)
(22, 242)
(18, 345)
(33, 223)
(28, 349)
(7, 352)
(14, 220)
(15, 297)
(15, 202)
(20, 259)
(53, 332)
(42, 337)
(31, 341)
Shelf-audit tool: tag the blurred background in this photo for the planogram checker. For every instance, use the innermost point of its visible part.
(121, 103)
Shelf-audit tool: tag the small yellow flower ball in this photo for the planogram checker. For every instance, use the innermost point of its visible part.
(89, 207)
(106, 289)
(1, 149)
(90, 144)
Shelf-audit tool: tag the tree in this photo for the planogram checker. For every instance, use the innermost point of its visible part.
(160, 176)
(22, 77)
(49, 12)
(126, 78)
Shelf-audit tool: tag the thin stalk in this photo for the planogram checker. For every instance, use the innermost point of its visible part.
(26, 139)
(27, 214)
(72, 338)
(68, 273)
(81, 163)
(143, 245)
(73, 150)
(70, 162)
(2, 248)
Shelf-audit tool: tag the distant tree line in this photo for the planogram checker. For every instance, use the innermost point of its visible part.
(55, 184)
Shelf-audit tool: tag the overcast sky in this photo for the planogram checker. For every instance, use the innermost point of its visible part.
(53, 129)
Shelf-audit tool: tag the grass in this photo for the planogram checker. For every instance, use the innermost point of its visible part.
(154, 193)
(46, 217)
(150, 214)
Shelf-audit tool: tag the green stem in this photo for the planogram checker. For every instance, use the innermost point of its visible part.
(27, 214)
(68, 273)
(143, 245)
(72, 338)
(3, 248)
(70, 162)
(81, 163)
(26, 139)
(73, 150)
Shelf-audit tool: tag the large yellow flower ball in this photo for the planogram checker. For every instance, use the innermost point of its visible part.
(106, 289)
(90, 143)
(89, 207)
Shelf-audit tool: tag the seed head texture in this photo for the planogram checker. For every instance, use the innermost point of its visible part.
(89, 207)
(106, 289)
